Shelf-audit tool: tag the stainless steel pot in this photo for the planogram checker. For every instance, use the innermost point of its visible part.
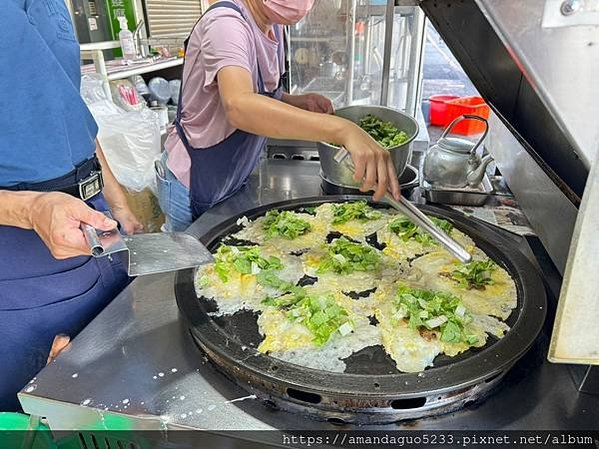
(340, 175)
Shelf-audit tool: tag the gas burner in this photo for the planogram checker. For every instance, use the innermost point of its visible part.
(408, 180)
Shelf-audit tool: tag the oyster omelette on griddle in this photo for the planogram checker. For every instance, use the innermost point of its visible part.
(329, 281)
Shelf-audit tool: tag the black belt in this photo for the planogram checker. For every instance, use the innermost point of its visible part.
(84, 182)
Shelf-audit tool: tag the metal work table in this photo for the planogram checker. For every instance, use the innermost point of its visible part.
(136, 361)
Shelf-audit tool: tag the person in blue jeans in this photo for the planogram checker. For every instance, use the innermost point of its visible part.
(50, 182)
(231, 101)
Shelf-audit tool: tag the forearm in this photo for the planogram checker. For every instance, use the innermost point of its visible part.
(268, 117)
(290, 99)
(113, 191)
(15, 208)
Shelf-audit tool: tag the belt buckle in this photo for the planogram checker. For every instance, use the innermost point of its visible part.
(91, 186)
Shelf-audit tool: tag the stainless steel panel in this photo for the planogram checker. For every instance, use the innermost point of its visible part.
(551, 214)
(468, 196)
(561, 64)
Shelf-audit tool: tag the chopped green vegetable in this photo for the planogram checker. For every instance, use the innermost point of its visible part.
(433, 310)
(475, 274)
(357, 210)
(268, 278)
(287, 300)
(320, 314)
(345, 257)
(407, 230)
(204, 281)
(385, 133)
(244, 260)
(285, 224)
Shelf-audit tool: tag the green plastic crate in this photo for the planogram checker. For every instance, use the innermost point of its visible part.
(19, 431)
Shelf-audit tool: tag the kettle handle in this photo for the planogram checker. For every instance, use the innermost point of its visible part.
(468, 117)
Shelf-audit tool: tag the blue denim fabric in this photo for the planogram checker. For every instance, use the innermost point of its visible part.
(173, 198)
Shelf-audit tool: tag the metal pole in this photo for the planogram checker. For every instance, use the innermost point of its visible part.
(349, 89)
(389, 14)
(414, 91)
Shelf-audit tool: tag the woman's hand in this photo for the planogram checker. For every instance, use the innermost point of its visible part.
(310, 102)
(116, 199)
(129, 222)
(56, 218)
(373, 164)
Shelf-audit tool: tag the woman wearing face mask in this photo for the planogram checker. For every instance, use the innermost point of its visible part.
(231, 102)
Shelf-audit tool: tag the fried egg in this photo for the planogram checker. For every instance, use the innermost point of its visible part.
(397, 248)
(408, 349)
(357, 281)
(293, 342)
(242, 291)
(497, 299)
(419, 265)
(355, 229)
(254, 232)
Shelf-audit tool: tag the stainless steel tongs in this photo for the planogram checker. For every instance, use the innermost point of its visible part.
(414, 214)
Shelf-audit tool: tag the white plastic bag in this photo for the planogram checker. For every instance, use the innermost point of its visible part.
(130, 140)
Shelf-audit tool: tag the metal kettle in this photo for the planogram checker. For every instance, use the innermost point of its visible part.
(452, 162)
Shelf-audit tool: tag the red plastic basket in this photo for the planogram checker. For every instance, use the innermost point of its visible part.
(445, 108)
(468, 106)
(438, 109)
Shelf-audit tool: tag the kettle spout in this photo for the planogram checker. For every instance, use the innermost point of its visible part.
(475, 175)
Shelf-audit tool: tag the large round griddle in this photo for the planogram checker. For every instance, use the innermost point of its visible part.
(371, 385)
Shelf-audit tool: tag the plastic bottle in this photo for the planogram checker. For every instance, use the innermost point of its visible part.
(126, 38)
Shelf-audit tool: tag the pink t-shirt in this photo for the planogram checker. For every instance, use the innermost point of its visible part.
(223, 38)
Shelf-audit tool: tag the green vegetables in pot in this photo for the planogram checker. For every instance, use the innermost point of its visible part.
(385, 133)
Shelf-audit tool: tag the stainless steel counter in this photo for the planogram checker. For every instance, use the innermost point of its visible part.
(137, 365)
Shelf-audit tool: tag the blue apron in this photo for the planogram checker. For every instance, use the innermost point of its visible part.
(41, 297)
(218, 172)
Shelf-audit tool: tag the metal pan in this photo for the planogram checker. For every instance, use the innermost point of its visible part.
(371, 390)
(400, 155)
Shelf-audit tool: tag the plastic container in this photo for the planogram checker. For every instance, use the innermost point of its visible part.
(127, 41)
(468, 106)
(438, 109)
(160, 89)
(162, 112)
(446, 108)
(175, 87)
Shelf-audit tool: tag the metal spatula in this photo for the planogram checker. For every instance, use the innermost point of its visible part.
(149, 253)
(414, 214)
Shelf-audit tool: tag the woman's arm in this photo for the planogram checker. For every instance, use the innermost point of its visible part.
(310, 102)
(116, 198)
(265, 116)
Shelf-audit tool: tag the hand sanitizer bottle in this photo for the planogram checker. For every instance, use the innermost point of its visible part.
(127, 42)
